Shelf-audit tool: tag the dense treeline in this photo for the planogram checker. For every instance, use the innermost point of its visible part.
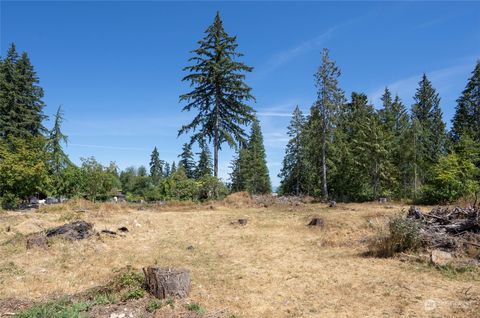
(349, 151)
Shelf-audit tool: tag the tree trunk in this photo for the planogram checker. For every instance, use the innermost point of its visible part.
(324, 164)
(167, 282)
(215, 134)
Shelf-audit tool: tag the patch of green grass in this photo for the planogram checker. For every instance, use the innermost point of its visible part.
(129, 284)
(63, 308)
(469, 272)
(153, 305)
(128, 279)
(104, 298)
(171, 302)
(195, 308)
(10, 269)
(133, 294)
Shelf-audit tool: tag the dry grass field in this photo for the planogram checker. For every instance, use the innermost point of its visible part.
(275, 266)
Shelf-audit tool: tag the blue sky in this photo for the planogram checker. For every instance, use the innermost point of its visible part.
(116, 67)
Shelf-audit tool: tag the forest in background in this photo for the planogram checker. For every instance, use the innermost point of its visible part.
(342, 150)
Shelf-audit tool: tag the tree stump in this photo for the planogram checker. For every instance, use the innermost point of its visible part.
(316, 222)
(332, 204)
(167, 282)
(242, 221)
(37, 240)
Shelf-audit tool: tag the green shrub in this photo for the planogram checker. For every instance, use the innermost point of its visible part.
(210, 188)
(402, 235)
(453, 177)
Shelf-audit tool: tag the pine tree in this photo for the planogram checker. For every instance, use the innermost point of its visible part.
(430, 135)
(239, 167)
(173, 168)
(467, 112)
(10, 95)
(32, 94)
(21, 105)
(156, 166)
(292, 178)
(204, 166)
(329, 98)
(257, 180)
(360, 157)
(186, 161)
(219, 92)
(59, 161)
(394, 119)
(166, 172)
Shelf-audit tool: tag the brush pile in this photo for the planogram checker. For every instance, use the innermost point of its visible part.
(456, 229)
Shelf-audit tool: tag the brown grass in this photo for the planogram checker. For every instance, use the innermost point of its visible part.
(274, 267)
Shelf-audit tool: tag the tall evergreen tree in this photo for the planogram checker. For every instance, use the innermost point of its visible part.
(156, 165)
(59, 161)
(32, 94)
(204, 166)
(239, 168)
(292, 173)
(56, 138)
(21, 105)
(166, 171)
(430, 135)
(467, 112)
(219, 91)
(173, 168)
(361, 168)
(186, 161)
(323, 115)
(427, 111)
(10, 95)
(395, 121)
(257, 178)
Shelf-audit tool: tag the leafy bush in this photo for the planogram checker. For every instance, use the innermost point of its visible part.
(454, 177)
(211, 189)
(403, 235)
(23, 170)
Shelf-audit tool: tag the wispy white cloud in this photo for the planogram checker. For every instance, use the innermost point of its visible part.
(405, 88)
(287, 55)
(280, 58)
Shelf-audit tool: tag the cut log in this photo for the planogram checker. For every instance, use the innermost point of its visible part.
(167, 282)
(317, 222)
